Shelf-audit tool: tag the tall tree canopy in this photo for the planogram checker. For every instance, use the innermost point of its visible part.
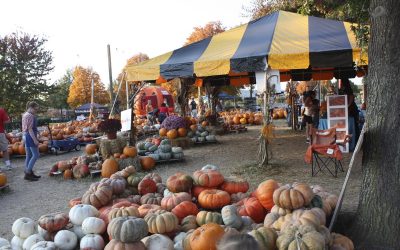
(80, 89)
(59, 95)
(199, 33)
(24, 65)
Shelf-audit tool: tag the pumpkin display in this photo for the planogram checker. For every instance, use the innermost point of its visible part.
(301, 237)
(235, 185)
(170, 201)
(182, 132)
(92, 241)
(231, 217)
(158, 242)
(109, 167)
(185, 209)
(118, 245)
(179, 182)
(162, 132)
(188, 223)
(206, 237)
(98, 195)
(172, 134)
(147, 162)
(264, 193)
(293, 196)
(91, 149)
(208, 178)
(265, 237)
(65, 240)
(78, 213)
(67, 175)
(31, 240)
(130, 151)
(93, 225)
(161, 221)
(151, 198)
(204, 217)
(3, 179)
(147, 186)
(123, 212)
(127, 229)
(154, 176)
(147, 208)
(44, 245)
(213, 199)
(251, 207)
(23, 227)
(341, 242)
(53, 222)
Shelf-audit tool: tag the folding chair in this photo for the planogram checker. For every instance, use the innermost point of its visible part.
(324, 152)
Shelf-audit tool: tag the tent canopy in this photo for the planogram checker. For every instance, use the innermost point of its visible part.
(281, 40)
(85, 108)
(225, 96)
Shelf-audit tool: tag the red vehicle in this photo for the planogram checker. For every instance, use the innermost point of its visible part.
(157, 95)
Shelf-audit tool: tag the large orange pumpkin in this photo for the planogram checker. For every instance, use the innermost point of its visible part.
(90, 149)
(109, 167)
(3, 179)
(264, 193)
(130, 151)
(68, 174)
(206, 237)
(235, 185)
(208, 178)
(21, 149)
(193, 127)
(236, 120)
(196, 190)
(15, 147)
(251, 207)
(293, 196)
(75, 201)
(182, 132)
(162, 132)
(214, 199)
(147, 162)
(184, 209)
(172, 134)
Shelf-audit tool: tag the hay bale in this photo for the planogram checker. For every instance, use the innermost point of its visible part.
(111, 147)
(123, 163)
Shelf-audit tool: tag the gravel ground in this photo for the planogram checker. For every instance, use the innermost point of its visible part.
(236, 154)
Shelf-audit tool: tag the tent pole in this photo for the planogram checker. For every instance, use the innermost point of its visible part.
(116, 96)
(127, 94)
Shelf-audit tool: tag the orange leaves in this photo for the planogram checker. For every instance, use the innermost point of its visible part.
(199, 33)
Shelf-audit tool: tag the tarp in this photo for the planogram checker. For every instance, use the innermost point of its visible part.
(225, 96)
(281, 40)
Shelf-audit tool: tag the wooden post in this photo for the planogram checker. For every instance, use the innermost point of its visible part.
(110, 74)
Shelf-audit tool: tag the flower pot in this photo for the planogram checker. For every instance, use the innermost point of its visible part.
(112, 135)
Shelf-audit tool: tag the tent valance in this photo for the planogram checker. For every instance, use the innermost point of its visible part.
(281, 40)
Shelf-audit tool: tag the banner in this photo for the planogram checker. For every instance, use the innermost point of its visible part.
(126, 121)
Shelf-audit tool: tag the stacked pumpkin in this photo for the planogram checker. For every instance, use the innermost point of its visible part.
(173, 127)
(76, 167)
(200, 133)
(159, 149)
(279, 113)
(237, 117)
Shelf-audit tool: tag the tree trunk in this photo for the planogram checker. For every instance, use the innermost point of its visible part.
(377, 224)
(183, 92)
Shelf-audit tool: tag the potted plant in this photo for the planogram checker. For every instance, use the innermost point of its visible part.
(110, 127)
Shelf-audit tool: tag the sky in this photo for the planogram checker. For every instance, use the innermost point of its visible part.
(78, 31)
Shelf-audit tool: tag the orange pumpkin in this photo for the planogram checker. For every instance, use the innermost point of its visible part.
(235, 185)
(184, 209)
(147, 162)
(162, 132)
(117, 155)
(3, 179)
(206, 237)
(204, 124)
(146, 208)
(21, 149)
(193, 127)
(75, 201)
(90, 149)
(109, 167)
(196, 190)
(251, 207)
(123, 156)
(146, 186)
(43, 148)
(236, 120)
(68, 174)
(243, 121)
(130, 151)
(264, 193)
(182, 132)
(214, 199)
(208, 178)
(15, 147)
(172, 134)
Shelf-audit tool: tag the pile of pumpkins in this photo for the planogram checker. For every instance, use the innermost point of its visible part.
(84, 131)
(237, 117)
(17, 147)
(279, 113)
(173, 133)
(159, 149)
(196, 212)
(201, 133)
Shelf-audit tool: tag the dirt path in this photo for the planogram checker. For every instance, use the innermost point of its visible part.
(235, 155)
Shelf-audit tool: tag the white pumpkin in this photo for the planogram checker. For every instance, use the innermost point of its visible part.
(80, 212)
(4, 242)
(6, 248)
(77, 230)
(167, 192)
(210, 167)
(32, 240)
(44, 245)
(177, 150)
(92, 241)
(16, 243)
(65, 240)
(23, 227)
(93, 225)
(178, 241)
(158, 242)
(45, 234)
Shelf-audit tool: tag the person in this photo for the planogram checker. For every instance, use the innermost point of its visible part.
(193, 108)
(307, 114)
(163, 113)
(149, 107)
(352, 111)
(4, 119)
(315, 110)
(30, 133)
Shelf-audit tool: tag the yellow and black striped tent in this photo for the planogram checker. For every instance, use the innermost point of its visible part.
(282, 40)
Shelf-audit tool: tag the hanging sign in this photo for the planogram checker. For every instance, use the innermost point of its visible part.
(126, 120)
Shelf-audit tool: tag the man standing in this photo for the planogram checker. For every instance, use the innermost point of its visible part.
(3, 139)
(193, 107)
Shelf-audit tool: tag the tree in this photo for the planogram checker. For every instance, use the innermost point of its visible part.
(377, 219)
(80, 89)
(59, 95)
(199, 33)
(24, 65)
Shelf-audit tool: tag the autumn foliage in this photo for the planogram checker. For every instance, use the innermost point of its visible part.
(80, 89)
(199, 33)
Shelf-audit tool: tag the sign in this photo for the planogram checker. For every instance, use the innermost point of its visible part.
(338, 117)
(273, 77)
(126, 120)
